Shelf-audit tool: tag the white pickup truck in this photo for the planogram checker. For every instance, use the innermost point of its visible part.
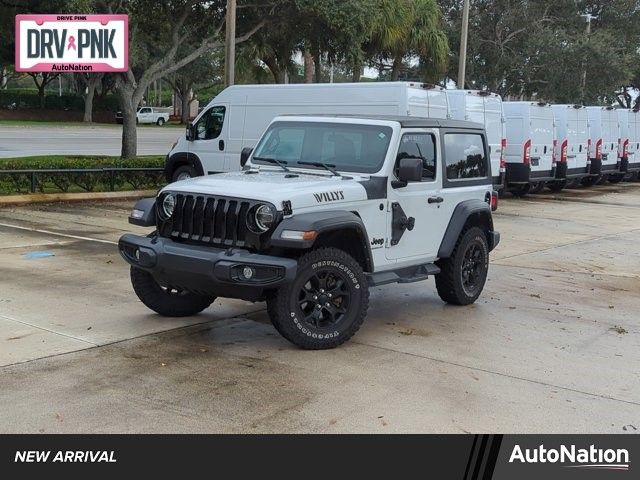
(147, 115)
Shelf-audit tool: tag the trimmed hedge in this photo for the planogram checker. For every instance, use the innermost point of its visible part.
(23, 98)
(48, 182)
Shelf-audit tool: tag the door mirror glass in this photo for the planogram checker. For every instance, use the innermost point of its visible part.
(244, 155)
(410, 170)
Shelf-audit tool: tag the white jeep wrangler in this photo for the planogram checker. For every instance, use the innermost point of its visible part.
(325, 207)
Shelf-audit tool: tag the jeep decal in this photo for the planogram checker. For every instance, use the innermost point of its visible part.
(377, 242)
(329, 196)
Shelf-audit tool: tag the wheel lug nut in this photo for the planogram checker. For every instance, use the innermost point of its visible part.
(321, 290)
(315, 297)
(329, 295)
(326, 304)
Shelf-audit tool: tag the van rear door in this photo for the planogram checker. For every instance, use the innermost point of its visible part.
(541, 134)
(494, 125)
(633, 150)
(577, 140)
(610, 134)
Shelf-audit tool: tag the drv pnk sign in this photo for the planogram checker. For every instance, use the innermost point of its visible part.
(72, 43)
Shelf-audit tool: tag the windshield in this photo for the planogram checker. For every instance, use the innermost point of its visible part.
(346, 147)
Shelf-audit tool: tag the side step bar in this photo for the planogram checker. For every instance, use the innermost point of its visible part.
(403, 275)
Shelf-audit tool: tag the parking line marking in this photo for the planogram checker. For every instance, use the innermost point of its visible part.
(66, 235)
(49, 330)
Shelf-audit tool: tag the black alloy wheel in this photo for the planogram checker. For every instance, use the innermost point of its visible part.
(324, 299)
(473, 268)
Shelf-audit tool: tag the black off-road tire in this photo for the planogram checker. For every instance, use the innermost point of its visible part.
(537, 187)
(557, 185)
(591, 180)
(520, 190)
(166, 302)
(574, 183)
(291, 308)
(450, 281)
(616, 178)
(187, 171)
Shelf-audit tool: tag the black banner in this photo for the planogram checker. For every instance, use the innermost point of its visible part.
(464, 457)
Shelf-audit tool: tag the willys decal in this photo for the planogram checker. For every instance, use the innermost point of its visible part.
(329, 196)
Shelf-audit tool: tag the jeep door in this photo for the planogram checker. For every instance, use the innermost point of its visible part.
(420, 202)
(208, 143)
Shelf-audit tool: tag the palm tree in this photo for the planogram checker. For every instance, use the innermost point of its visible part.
(409, 27)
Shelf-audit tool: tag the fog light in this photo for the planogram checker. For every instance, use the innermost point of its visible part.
(137, 214)
(248, 272)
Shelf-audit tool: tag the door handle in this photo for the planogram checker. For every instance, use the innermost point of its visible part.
(221, 145)
(435, 200)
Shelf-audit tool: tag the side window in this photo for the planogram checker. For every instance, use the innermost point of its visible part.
(465, 156)
(145, 110)
(419, 145)
(210, 124)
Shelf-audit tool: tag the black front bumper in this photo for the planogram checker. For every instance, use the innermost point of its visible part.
(207, 270)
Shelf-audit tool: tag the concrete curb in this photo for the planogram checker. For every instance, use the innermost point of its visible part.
(73, 197)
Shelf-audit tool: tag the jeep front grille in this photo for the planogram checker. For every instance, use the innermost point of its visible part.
(213, 220)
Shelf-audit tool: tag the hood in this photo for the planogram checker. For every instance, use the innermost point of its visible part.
(301, 189)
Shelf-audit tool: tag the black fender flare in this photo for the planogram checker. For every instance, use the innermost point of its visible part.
(461, 214)
(321, 222)
(181, 158)
(148, 216)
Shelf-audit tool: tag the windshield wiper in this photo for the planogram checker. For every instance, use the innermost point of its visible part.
(327, 166)
(274, 161)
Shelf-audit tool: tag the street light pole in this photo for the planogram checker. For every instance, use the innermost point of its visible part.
(583, 83)
(463, 45)
(230, 44)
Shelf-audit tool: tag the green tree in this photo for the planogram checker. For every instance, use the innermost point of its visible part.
(200, 73)
(158, 33)
(524, 49)
(405, 28)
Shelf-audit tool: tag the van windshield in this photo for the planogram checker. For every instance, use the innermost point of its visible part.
(346, 147)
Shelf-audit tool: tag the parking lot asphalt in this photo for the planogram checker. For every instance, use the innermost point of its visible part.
(81, 140)
(552, 345)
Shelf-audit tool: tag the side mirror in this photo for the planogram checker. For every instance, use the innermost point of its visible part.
(410, 170)
(244, 155)
(191, 132)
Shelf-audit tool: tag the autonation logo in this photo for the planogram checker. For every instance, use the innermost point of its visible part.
(573, 457)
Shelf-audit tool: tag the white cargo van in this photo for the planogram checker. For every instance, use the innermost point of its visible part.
(623, 144)
(237, 117)
(603, 143)
(529, 152)
(633, 149)
(485, 108)
(572, 142)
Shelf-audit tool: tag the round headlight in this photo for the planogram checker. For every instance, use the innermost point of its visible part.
(264, 218)
(168, 204)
